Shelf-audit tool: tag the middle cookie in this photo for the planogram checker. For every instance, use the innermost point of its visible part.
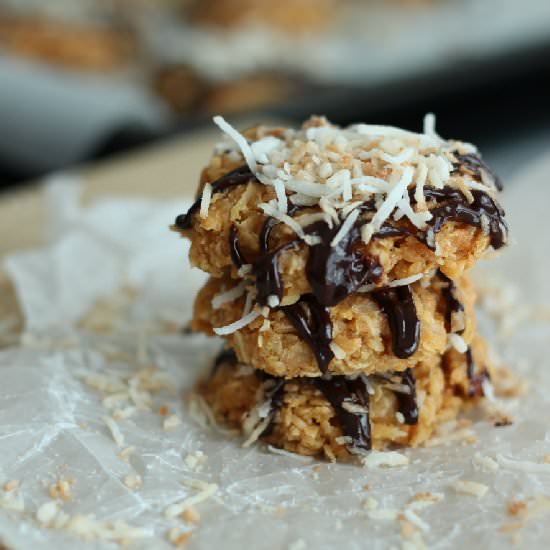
(387, 330)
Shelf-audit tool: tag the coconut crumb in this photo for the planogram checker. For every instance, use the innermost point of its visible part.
(190, 515)
(370, 503)
(388, 514)
(126, 452)
(522, 465)
(46, 513)
(470, 488)
(179, 538)
(115, 431)
(299, 544)
(195, 460)
(516, 508)
(11, 498)
(171, 423)
(11, 485)
(206, 490)
(61, 489)
(132, 481)
(388, 459)
(485, 463)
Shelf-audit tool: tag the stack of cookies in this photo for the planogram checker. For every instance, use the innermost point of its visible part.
(338, 260)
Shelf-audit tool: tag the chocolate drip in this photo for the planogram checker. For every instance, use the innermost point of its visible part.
(340, 391)
(407, 403)
(335, 272)
(482, 211)
(268, 278)
(475, 164)
(226, 355)
(398, 306)
(266, 268)
(239, 176)
(475, 388)
(312, 322)
(454, 305)
(234, 248)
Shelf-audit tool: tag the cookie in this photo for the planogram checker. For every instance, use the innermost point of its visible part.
(372, 332)
(343, 416)
(327, 210)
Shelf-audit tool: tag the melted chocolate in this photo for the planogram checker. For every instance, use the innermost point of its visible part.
(356, 425)
(475, 164)
(335, 272)
(457, 208)
(312, 323)
(234, 248)
(236, 177)
(398, 306)
(226, 355)
(407, 403)
(475, 388)
(454, 305)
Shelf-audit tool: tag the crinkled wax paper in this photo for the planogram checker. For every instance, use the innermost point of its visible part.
(93, 349)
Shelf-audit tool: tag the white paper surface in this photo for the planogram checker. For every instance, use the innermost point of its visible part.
(52, 421)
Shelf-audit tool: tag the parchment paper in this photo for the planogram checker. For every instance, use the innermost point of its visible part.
(130, 349)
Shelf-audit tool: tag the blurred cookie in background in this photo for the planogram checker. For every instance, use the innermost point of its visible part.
(286, 15)
(75, 45)
(178, 86)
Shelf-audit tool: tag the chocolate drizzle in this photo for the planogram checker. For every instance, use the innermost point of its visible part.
(398, 306)
(475, 164)
(483, 212)
(454, 305)
(236, 177)
(335, 272)
(340, 391)
(234, 248)
(475, 388)
(226, 355)
(312, 323)
(407, 403)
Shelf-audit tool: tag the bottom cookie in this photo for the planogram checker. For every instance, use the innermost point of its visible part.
(343, 416)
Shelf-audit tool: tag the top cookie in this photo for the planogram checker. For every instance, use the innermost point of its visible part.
(330, 211)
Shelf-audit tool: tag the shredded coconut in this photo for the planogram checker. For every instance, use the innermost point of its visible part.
(229, 296)
(457, 342)
(237, 325)
(205, 200)
(115, 431)
(206, 490)
(522, 465)
(388, 459)
(240, 140)
(470, 488)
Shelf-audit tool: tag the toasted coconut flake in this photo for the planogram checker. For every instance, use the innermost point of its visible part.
(457, 342)
(229, 296)
(115, 431)
(522, 465)
(470, 488)
(389, 459)
(240, 140)
(206, 490)
(345, 227)
(205, 200)
(237, 325)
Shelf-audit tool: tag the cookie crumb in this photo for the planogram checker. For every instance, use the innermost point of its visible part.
(516, 507)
